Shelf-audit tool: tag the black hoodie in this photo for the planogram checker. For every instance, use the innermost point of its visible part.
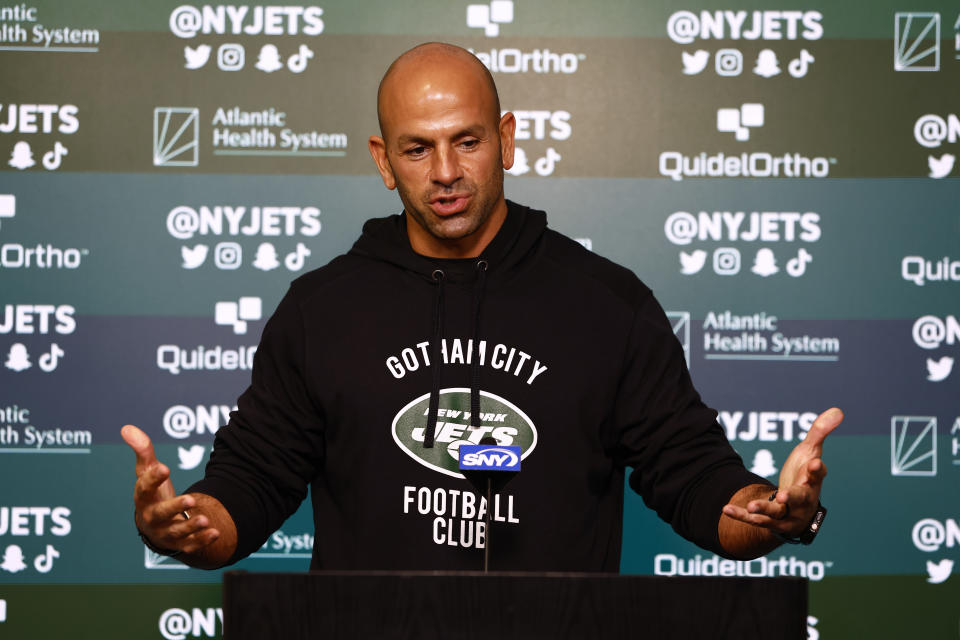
(571, 358)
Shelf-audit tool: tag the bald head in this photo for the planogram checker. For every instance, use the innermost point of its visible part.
(428, 66)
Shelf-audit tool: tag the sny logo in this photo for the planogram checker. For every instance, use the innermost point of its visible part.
(481, 457)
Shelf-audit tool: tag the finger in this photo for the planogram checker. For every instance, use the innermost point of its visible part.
(760, 519)
(199, 540)
(825, 423)
(141, 445)
(181, 529)
(150, 485)
(170, 509)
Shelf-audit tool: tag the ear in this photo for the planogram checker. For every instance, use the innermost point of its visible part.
(508, 125)
(378, 150)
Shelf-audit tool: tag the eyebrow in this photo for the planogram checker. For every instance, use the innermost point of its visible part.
(477, 131)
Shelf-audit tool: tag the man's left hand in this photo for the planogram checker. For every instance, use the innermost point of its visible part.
(800, 480)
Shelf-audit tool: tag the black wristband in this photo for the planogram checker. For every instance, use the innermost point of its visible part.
(808, 534)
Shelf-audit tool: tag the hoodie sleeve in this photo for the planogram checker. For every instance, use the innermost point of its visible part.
(683, 466)
(273, 445)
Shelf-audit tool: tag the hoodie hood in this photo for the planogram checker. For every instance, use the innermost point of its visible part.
(386, 239)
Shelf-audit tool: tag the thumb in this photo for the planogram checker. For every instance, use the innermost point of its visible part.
(825, 423)
(141, 445)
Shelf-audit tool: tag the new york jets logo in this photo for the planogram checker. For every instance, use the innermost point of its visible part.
(499, 419)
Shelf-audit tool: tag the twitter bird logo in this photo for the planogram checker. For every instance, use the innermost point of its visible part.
(691, 263)
(939, 571)
(193, 258)
(198, 57)
(190, 458)
(942, 166)
(694, 63)
(938, 370)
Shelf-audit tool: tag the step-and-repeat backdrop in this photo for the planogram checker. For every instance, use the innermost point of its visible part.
(783, 174)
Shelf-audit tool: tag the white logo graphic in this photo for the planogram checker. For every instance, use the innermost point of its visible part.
(929, 332)
(295, 260)
(196, 58)
(726, 261)
(3, 610)
(543, 166)
(187, 21)
(43, 563)
(729, 62)
(942, 166)
(668, 564)
(767, 64)
(193, 258)
(52, 159)
(930, 534)
(737, 121)
(297, 63)
(919, 270)
(912, 48)
(765, 264)
(231, 57)
(228, 256)
(190, 458)
(237, 314)
(812, 633)
(153, 560)
(49, 361)
(798, 66)
(181, 422)
(939, 571)
(8, 206)
(763, 463)
(489, 17)
(694, 63)
(13, 559)
(177, 624)
(684, 27)
(269, 59)
(931, 130)
(680, 321)
(18, 359)
(176, 136)
(691, 263)
(22, 156)
(938, 370)
(266, 258)
(913, 446)
(796, 267)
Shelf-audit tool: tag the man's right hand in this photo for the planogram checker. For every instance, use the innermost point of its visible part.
(159, 511)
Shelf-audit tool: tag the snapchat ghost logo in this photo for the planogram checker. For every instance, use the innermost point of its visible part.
(767, 64)
(266, 259)
(765, 264)
(763, 463)
(22, 157)
(520, 165)
(269, 59)
(13, 559)
(18, 359)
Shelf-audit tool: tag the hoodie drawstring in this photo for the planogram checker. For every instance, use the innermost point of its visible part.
(475, 362)
(438, 276)
(478, 290)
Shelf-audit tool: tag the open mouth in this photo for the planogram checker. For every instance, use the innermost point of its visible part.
(449, 205)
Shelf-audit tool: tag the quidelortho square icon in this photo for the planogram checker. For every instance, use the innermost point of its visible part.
(913, 446)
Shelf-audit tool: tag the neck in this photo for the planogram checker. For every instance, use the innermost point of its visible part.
(470, 246)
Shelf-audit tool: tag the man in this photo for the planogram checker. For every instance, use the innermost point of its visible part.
(466, 317)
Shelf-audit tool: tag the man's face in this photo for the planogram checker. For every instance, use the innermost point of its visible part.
(444, 150)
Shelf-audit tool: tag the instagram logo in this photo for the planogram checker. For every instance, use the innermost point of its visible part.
(230, 57)
(228, 255)
(729, 62)
(726, 261)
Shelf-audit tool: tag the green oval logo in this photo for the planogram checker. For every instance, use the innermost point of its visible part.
(499, 418)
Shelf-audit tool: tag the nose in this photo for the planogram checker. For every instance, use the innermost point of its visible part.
(446, 165)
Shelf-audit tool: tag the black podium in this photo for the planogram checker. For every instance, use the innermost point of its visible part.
(425, 605)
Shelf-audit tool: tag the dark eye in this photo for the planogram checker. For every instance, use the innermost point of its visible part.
(469, 144)
(417, 151)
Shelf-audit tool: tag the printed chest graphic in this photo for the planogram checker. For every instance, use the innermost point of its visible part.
(499, 419)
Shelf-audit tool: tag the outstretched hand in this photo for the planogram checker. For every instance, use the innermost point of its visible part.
(801, 479)
(161, 514)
